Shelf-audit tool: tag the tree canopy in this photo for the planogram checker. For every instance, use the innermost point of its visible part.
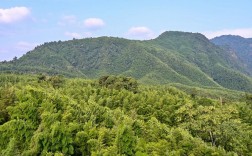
(107, 117)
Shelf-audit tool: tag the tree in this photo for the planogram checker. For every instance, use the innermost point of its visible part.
(15, 58)
(56, 81)
(7, 98)
(119, 82)
(41, 77)
(126, 141)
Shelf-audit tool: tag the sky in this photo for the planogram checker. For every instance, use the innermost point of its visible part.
(25, 24)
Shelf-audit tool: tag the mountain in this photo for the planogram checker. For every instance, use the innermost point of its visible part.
(242, 47)
(173, 57)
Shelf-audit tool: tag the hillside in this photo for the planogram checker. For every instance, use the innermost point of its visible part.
(242, 47)
(173, 57)
(59, 116)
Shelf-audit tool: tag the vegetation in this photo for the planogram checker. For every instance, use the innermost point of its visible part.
(115, 82)
(53, 115)
(173, 57)
(239, 47)
(178, 94)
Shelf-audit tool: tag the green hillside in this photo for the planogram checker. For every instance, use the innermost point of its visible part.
(43, 115)
(239, 46)
(173, 57)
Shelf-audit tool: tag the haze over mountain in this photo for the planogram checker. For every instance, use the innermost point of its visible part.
(238, 45)
(173, 57)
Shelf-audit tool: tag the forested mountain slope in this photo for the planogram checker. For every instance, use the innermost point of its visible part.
(114, 116)
(173, 57)
(242, 47)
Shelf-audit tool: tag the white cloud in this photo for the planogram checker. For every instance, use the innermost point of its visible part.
(244, 32)
(94, 23)
(9, 51)
(88, 34)
(140, 33)
(25, 46)
(4, 54)
(73, 35)
(2, 51)
(13, 14)
(78, 35)
(6, 32)
(68, 19)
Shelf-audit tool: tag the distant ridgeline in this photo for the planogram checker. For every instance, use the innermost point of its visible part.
(239, 47)
(172, 58)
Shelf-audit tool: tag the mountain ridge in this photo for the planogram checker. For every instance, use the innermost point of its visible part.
(173, 57)
(240, 46)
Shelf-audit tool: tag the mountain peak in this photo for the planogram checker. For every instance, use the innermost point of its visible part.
(240, 45)
(179, 34)
(233, 37)
(174, 57)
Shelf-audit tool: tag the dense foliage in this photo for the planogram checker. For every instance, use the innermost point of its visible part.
(173, 57)
(46, 115)
(119, 82)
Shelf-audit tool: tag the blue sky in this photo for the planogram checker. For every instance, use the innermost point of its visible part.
(25, 24)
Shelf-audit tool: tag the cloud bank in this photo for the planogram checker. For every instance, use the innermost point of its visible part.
(244, 32)
(94, 23)
(82, 29)
(140, 32)
(73, 35)
(9, 51)
(67, 20)
(25, 46)
(13, 14)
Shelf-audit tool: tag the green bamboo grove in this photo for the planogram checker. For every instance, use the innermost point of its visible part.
(53, 115)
